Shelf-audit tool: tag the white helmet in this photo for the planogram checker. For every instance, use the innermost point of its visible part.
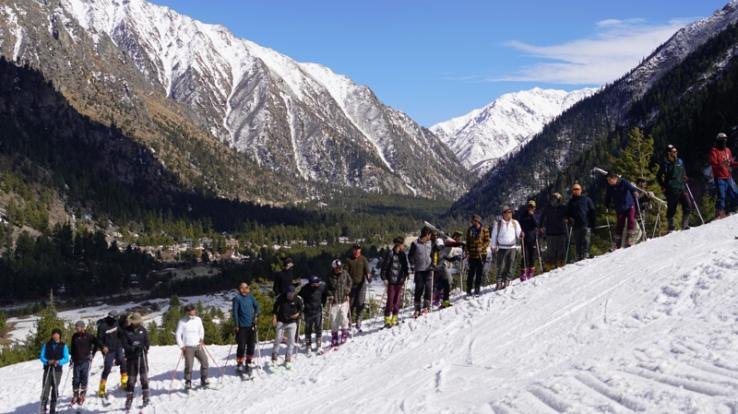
(336, 264)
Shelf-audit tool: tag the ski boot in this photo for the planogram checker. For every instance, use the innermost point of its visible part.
(344, 336)
(129, 400)
(101, 392)
(204, 383)
(445, 304)
(308, 347)
(531, 273)
(123, 380)
(394, 320)
(685, 223)
(523, 274)
(387, 321)
(145, 397)
(81, 397)
(75, 397)
(358, 327)
(334, 339)
(274, 359)
(288, 362)
(188, 385)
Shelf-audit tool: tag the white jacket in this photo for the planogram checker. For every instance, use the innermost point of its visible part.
(190, 331)
(505, 234)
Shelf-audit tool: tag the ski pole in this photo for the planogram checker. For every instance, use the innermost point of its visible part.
(609, 229)
(228, 358)
(47, 375)
(538, 248)
(222, 372)
(656, 222)
(568, 244)
(643, 218)
(64, 385)
(176, 367)
(694, 203)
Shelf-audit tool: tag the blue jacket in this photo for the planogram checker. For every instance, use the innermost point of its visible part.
(245, 309)
(621, 195)
(54, 350)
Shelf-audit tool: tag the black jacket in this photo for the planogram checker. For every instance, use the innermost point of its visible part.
(135, 341)
(581, 211)
(314, 298)
(386, 272)
(109, 333)
(84, 346)
(529, 225)
(553, 220)
(282, 281)
(284, 308)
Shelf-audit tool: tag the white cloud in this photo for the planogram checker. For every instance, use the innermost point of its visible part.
(616, 47)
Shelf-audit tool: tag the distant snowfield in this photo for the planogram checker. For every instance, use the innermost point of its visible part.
(653, 328)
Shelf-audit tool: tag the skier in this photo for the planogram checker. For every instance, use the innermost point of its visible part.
(622, 194)
(84, 346)
(358, 267)
(441, 255)
(477, 242)
(190, 337)
(285, 278)
(420, 259)
(285, 314)
(554, 228)
(339, 290)
(136, 344)
(722, 163)
(54, 354)
(672, 177)
(110, 339)
(245, 310)
(530, 226)
(505, 236)
(580, 215)
(395, 271)
(313, 297)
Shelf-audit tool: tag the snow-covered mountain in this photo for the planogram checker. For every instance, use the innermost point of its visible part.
(301, 120)
(651, 328)
(484, 135)
(563, 150)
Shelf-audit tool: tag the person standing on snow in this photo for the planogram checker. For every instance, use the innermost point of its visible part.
(136, 344)
(555, 231)
(672, 177)
(477, 242)
(314, 296)
(530, 227)
(505, 236)
(722, 163)
(54, 355)
(358, 267)
(110, 339)
(580, 214)
(339, 291)
(622, 194)
(285, 278)
(395, 271)
(190, 337)
(441, 258)
(420, 259)
(84, 346)
(285, 314)
(245, 310)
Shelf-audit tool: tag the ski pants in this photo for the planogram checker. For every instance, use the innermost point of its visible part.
(672, 200)
(442, 282)
(529, 255)
(190, 353)
(630, 215)
(582, 236)
(246, 340)
(314, 324)
(288, 330)
(423, 281)
(394, 299)
(476, 267)
(506, 259)
(52, 377)
(556, 248)
(339, 316)
(114, 357)
(138, 367)
(80, 374)
(727, 194)
(358, 300)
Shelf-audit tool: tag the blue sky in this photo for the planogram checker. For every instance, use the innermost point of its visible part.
(440, 59)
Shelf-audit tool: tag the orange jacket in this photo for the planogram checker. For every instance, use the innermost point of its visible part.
(721, 161)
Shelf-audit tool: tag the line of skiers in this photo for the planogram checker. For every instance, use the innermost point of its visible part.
(122, 342)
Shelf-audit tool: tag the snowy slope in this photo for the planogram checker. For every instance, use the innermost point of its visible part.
(483, 136)
(653, 328)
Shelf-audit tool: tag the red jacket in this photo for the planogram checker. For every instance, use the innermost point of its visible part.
(721, 161)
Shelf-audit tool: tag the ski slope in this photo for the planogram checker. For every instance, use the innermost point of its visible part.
(653, 328)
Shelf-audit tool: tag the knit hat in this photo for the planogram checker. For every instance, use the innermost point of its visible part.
(531, 203)
(398, 240)
(135, 318)
(79, 324)
(314, 279)
(113, 314)
(476, 217)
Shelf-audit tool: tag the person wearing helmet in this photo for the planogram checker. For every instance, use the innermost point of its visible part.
(339, 290)
(672, 177)
(314, 296)
(110, 340)
(722, 163)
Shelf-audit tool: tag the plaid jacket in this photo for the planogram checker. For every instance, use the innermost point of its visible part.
(476, 247)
